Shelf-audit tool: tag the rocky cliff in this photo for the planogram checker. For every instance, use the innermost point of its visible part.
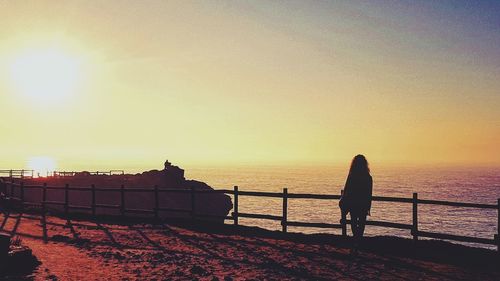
(170, 178)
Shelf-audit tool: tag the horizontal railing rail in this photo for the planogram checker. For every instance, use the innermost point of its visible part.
(93, 173)
(235, 215)
(457, 204)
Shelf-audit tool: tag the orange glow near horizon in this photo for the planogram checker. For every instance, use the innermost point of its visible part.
(104, 88)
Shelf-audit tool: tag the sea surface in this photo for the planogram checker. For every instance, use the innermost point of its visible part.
(477, 185)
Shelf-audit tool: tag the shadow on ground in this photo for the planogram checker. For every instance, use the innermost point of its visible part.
(140, 249)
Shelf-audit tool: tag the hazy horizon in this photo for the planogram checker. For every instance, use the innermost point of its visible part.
(90, 86)
(272, 167)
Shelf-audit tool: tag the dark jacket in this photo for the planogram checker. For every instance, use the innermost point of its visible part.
(357, 195)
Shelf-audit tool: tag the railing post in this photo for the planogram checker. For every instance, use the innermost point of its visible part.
(22, 195)
(44, 198)
(66, 199)
(122, 200)
(414, 230)
(93, 199)
(11, 187)
(192, 203)
(235, 213)
(498, 226)
(285, 209)
(343, 218)
(4, 187)
(157, 202)
(22, 174)
(44, 212)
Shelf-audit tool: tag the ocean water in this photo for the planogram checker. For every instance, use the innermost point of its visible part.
(477, 185)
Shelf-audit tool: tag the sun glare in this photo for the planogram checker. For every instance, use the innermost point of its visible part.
(45, 75)
(41, 165)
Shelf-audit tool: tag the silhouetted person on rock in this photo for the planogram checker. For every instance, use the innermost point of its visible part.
(167, 165)
(357, 197)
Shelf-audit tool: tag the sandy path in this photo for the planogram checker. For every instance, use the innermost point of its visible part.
(83, 250)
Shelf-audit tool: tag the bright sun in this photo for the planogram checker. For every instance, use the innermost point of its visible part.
(41, 165)
(45, 75)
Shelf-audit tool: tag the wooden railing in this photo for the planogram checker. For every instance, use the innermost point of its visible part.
(285, 196)
(414, 231)
(17, 173)
(10, 187)
(96, 173)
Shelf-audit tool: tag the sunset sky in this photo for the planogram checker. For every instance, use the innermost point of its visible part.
(128, 84)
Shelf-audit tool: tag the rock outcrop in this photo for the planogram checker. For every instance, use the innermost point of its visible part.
(170, 178)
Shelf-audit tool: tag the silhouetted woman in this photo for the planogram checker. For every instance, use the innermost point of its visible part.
(357, 197)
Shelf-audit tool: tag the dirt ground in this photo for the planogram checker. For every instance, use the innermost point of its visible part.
(90, 250)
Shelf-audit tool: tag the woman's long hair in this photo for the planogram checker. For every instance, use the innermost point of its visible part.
(359, 166)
